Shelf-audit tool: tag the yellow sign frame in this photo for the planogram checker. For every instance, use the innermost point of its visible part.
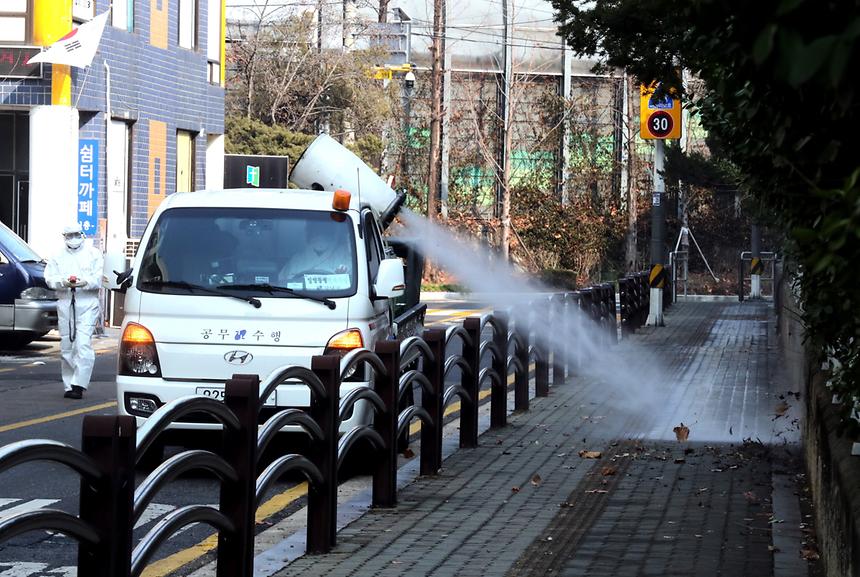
(658, 120)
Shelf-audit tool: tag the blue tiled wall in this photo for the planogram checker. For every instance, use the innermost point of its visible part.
(147, 83)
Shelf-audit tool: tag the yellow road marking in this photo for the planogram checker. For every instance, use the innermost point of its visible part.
(180, 558)
(274, 505)
(6, 370)
(456, 315)
(56, 417)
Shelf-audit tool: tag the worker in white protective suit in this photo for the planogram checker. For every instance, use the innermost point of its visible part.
(75, 273)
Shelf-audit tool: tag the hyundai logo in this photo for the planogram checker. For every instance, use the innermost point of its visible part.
(238, 357)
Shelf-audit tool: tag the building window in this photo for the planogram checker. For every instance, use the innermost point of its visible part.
(14, 22)
(214, 41)
(122, 15)
(184, 161)
(188, 23)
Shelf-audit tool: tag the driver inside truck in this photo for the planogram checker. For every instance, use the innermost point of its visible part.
(326, 251)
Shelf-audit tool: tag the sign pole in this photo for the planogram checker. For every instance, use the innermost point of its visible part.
(657, 278)
(756, 265)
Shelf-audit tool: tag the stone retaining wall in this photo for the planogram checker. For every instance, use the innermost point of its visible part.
(834, 474)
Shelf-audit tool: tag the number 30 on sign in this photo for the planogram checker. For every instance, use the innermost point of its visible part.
(659, 118)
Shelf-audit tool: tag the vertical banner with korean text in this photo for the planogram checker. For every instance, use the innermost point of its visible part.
(88, 181)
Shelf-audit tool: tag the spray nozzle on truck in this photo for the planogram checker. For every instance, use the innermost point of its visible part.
(206, 255)
(328, 165)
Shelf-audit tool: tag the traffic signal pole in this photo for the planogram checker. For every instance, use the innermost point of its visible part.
(657, 278)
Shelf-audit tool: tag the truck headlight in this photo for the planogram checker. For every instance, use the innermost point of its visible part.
(344, 342)
(137, 354)
(38, 293)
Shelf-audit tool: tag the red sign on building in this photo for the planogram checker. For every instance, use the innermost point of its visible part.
(14, 62)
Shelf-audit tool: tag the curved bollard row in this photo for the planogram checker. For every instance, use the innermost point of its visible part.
(548, 332)
(634, 300)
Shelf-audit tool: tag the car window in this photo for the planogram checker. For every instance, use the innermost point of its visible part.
(373, 242)
(16, 246)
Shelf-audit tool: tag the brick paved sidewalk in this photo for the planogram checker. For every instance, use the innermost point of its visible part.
(528, 502)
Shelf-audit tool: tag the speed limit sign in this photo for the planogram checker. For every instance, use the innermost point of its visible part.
(659, 118)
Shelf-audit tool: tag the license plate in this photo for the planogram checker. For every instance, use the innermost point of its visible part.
(217, 393)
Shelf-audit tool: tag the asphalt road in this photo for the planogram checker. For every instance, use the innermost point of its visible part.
(33, 407)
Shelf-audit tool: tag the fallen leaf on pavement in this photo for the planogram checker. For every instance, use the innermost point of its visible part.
(608, 471)
(590, 454)
(809, 554)
(682, 432)
(781, 409)
(408, 453)
(536, 480)
(515, 489)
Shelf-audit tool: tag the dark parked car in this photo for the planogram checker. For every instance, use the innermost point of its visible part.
(28, 308)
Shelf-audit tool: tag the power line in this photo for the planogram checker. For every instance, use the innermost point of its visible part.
(478, 41)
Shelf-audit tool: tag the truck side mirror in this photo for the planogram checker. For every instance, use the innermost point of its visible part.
(115, 275)
(389, 279)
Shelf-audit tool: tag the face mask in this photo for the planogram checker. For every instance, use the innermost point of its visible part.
(74, 243)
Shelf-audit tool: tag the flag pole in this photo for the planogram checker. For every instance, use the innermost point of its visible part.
(84, 83)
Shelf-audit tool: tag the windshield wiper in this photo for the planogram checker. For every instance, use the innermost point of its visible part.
(281, 289)
(191, 287)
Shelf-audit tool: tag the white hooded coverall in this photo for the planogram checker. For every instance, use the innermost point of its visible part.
(85, 263)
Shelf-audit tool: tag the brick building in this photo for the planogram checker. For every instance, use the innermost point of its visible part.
(144, 120)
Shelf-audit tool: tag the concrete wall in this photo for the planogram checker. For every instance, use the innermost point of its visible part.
(834, 474)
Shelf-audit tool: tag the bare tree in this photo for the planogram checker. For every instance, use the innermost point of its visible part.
(436, 108)
(285, 79)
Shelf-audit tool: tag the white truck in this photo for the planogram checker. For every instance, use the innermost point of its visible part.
(252, 281)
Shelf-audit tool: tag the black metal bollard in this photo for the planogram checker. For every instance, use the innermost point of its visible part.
(469, 409)
(431, 434)
(624, 306)
(558, 320)
(521, 378)
(322, 500)
(613, 313)
(499, 390)
(238, 500)
(541, 348)
(108, 504)
(578, 312)
(385, 423)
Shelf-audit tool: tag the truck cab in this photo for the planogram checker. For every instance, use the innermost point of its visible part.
(252, 281)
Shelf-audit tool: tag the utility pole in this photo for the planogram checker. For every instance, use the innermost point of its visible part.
(507, 136)
(659, 119)
(627, 183)
(436, 109)
(658, 239)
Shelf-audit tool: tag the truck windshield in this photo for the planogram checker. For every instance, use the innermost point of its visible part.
(253, 249)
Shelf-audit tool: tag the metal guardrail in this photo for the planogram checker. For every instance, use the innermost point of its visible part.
(768, 261)
(110, 504)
